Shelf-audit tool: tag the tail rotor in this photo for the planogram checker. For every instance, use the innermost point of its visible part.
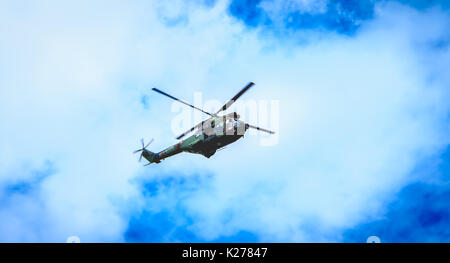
(143, 149)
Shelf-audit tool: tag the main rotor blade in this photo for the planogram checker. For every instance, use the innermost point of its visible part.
(190, 130)
(185, 103)
(228, 104)
(184, 134)
(259, 129)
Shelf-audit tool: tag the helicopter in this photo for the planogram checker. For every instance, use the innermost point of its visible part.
(212, 134)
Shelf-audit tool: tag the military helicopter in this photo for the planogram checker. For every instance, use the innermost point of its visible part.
(212, 134)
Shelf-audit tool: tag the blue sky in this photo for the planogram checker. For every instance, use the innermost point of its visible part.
(363, 131)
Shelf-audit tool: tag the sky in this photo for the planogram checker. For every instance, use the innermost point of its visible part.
(362, 129)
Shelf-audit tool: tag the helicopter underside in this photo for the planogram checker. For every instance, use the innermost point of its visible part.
(210, 145)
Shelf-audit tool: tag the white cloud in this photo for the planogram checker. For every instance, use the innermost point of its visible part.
(357, 114)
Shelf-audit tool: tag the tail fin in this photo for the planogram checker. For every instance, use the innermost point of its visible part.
(151, 156)
(148, 155)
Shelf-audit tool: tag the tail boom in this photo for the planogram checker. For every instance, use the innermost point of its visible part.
(157, 157)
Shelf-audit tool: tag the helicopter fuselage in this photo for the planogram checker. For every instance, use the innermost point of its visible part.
(214, 133)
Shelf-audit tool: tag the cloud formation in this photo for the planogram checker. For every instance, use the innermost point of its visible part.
(358, 113)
